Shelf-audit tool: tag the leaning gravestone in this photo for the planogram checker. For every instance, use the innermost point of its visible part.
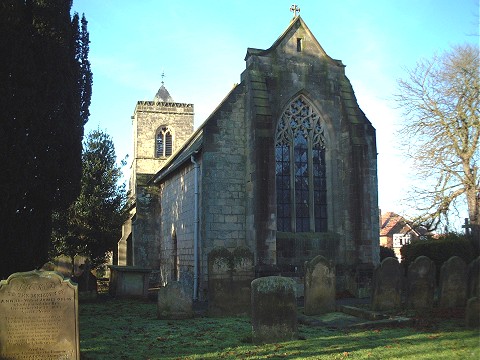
(319, 286)
(387, 285)
(174, 302)
(274, 310)
(39, 317)
(453, 283)
(421, 283)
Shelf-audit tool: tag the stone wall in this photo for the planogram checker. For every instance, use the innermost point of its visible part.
(275, 77)
(223, 218)
(177, 220)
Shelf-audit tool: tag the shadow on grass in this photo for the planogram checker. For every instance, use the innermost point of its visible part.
(127, 329)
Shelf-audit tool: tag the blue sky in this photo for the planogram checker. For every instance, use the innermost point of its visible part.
(201, 45)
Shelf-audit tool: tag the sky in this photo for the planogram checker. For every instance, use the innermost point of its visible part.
(200, 48)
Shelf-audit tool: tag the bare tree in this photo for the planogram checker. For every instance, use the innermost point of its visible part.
(441, 104)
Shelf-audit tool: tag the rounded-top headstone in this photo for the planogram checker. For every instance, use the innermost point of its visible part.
(387, 285)
(319, 286)
(421, 283)
(453, 283)
(274, 310)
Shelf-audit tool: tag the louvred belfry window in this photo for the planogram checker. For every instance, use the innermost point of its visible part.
(164, 142)
(300, 170)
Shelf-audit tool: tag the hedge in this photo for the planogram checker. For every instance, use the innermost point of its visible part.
(439, 250)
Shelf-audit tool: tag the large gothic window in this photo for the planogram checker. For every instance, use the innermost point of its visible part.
(164, 142)
(300, 170)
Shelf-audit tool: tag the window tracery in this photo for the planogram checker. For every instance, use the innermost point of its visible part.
(163, 142)
(300, 169)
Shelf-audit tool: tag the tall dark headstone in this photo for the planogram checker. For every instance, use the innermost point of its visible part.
(387, 285)
(453, 283)
(421, 283)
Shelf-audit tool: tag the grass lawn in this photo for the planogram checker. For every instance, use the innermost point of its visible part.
(128, 329)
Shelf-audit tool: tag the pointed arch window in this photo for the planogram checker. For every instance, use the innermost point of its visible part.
(163, 142)
(300, 169)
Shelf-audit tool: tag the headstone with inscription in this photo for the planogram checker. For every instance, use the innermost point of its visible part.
(39, 317)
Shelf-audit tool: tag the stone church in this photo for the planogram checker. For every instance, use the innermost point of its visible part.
(286, 166)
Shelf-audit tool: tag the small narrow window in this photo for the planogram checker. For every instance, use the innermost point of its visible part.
(299, 44)
(168, 144)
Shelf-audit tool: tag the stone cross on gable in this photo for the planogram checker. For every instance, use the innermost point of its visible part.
(295, 9)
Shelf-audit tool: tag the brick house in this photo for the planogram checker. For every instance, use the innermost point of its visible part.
(395, 232)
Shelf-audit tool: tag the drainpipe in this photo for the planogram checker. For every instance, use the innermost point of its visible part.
(196, 221)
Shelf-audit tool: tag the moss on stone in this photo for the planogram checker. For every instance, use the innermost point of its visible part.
(272, 284)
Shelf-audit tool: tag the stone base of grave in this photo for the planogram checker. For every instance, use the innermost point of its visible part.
(129, 281)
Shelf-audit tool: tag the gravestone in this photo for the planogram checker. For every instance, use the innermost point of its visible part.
(229, 278)
(387, 285)
(274, 310)
(472, 313)
(243, 273)
(474, 278)
(220, 264)
(129, 281)
(174, 301)
(453, 283)
(87, 284)
(319, 286)
(421, 283)
(39, 317)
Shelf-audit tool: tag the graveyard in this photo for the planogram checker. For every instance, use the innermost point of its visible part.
(408, 315)
(128, 329)
(405, 317)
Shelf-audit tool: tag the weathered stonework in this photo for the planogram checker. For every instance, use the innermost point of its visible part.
(274, 310)
(320, 286)
(219, 189)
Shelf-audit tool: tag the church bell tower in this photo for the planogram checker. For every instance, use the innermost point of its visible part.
(160, 127)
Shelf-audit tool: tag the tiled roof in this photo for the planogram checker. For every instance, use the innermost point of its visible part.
(388, 222)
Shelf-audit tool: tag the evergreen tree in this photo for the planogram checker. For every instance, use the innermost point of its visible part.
(44, 90)
(92, 224)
